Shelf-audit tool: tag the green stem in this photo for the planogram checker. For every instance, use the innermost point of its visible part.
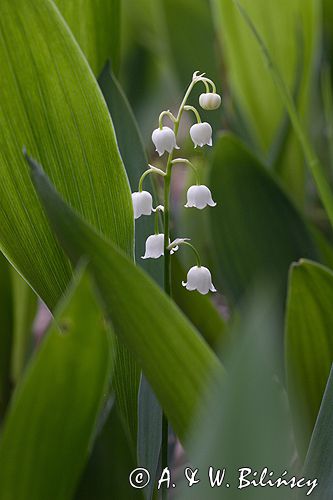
(189, 245)
(189, 164)
(153, 170)
(195, 111)
(167, 259)
(165, 113)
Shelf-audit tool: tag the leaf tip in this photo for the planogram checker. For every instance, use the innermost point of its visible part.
(34, 166)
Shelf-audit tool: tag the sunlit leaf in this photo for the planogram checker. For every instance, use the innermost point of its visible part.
(52, 418)
(250, 81)
(6, 336)
(96, 27)
(313, 161)
(51, 103)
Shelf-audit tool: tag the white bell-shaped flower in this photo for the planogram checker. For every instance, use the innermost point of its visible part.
(154, 246)
(199, 278)
(164, 140)
(210, 101)
(199, 197)
(142, 203)
(201, 134)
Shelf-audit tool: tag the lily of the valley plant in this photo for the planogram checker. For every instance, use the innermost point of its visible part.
(198, 196)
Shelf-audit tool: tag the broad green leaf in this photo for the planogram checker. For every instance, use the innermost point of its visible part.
(319, 460)
(175, 360)
(25, 309)
(309, 343)
(96, 27)
(6, 335)
(315, 165)
(250, 81)
(52, 418)
(256, 230)
(50, 102)
(246, 422)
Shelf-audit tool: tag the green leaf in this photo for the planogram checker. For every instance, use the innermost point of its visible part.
(316, 168)
(256, 229)
(25, 309)
(51, 103)
(246, 422)
(149, 434)
(309, 343)
(52, 418)
(111, 461)
(96, 27)
(319, 463)
(250, 81)
(6, 337)
(175, 360)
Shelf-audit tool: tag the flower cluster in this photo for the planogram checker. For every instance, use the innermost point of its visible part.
(198, 196)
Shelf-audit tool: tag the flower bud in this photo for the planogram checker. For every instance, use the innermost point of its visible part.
(142, 203)
(199, 197)
(210, 101)
(201, 134)
(154, 246)
(164, 140)
(199, 278)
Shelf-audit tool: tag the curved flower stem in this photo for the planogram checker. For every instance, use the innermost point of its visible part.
(157, 228)
(197, 256)
(206, 81)
(195, 111)
(153, 170)
(165, 113)
(159, 208)
(188, 163)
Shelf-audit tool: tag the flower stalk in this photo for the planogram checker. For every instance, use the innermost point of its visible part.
(199, 196)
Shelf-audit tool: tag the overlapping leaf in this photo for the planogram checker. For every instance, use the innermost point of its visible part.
(250, 80)
(51, 103)
(175, 360)
(6, 336)
(309, 343)
(319, 464)
(96, 27)
(52, 417)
